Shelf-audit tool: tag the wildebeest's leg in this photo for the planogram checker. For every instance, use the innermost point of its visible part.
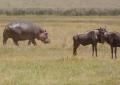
(96, 49)
(92, 49)
(15, 42)
(75, 46)
(115, 52)
(112, 51)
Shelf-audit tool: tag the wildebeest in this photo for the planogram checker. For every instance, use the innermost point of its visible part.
(90, 37)
(24, 30)
(113, 39)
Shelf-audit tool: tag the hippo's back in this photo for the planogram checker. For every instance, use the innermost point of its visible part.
(23, 26)
(22, 30)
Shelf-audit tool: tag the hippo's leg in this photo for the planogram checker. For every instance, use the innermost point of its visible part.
(34, 42)
(29, 42)
(15, 42)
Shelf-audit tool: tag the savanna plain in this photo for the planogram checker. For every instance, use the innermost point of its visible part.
(53, 63)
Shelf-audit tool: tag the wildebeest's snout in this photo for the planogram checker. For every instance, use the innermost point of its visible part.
(101, 38)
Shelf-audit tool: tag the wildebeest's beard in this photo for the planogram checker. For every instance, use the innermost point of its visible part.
(101, 38)
(44, 37)
(101, 33)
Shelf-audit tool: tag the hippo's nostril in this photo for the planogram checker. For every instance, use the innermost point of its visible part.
(47, 41)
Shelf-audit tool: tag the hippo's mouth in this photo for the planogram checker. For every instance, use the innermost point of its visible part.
(46, 41)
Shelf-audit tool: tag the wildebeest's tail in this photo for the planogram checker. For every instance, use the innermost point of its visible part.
(75, 44)
(5, 35)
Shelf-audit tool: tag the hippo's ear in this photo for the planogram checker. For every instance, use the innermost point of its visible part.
(45, 30)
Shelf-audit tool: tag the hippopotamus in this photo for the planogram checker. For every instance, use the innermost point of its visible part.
(24, 30)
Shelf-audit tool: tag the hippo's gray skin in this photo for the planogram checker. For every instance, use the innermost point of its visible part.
(23, 30)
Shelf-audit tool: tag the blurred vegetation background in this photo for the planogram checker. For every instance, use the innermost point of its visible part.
(60, 7)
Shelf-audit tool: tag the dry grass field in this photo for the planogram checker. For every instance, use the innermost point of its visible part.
(53, 64)
(65, 4)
